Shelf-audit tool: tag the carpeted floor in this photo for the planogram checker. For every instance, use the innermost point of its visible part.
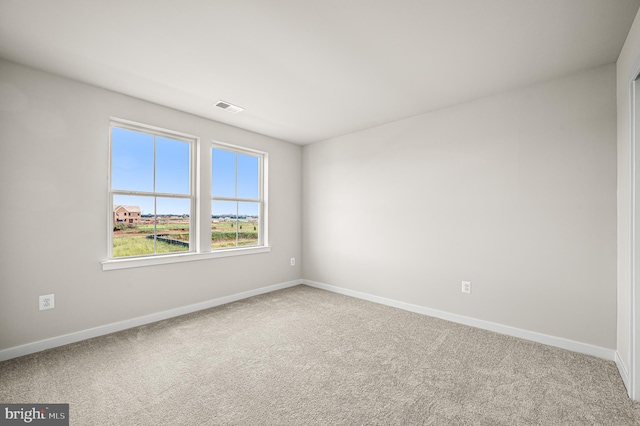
(303, 356)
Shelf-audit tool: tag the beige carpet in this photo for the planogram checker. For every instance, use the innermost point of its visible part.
(303, 356)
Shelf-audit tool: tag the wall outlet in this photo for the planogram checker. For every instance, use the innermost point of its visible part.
(466, 287)
(47, 302)
(293, 261)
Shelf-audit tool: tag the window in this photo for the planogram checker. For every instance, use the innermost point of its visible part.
(151, 174)
(161, 206)
(236, 197)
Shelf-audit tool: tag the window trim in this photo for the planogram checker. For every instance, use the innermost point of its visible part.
(163, 259)
(201, 247)
(263, 168)
(193, 142)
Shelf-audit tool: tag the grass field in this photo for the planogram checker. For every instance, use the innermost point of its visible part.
(223, 234)
(133, 241)
(139, 245)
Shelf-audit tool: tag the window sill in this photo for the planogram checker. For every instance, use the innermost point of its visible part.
(136, 262)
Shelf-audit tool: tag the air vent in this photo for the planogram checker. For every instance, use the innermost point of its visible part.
(228, 107)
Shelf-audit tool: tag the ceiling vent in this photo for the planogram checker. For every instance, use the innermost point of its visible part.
(228, 107)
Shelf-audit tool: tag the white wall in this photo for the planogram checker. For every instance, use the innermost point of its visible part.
(627, 67)
(514, 192)
(53, 165)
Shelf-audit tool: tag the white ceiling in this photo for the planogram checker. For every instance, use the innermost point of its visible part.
(310, 70)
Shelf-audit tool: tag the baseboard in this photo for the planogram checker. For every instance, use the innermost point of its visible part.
(29, 348)
(585, 348)
(53, 342)
(622, 369)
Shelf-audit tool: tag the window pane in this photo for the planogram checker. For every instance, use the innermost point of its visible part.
(248, 223)
(172, 225)
(172, 166)
(223, 224)
(132, 225)
(131, 160)
(223, 173)
(248, 172)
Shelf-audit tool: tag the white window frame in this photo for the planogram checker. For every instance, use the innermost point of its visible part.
(262, 192)
(164, 133)
(201, 197)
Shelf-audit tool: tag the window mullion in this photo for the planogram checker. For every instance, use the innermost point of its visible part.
(155, 225)
(236, 195)
(155, 199)
(248, 200)
(237, 225)
(153, 194)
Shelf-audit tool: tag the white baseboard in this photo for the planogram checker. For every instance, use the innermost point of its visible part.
(559, 342)
(622, 369)
(29, 348)
(77, 336)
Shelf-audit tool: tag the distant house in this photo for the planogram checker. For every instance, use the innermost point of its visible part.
(126, 214)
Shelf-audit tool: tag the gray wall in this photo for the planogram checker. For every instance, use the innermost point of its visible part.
(53, 167)
(515, 192)
(628, 64)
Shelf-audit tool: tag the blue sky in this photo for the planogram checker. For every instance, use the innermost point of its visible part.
(133, 170)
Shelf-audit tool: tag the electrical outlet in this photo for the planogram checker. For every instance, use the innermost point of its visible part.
(293, 261)
(47, 302)
(466, 287)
